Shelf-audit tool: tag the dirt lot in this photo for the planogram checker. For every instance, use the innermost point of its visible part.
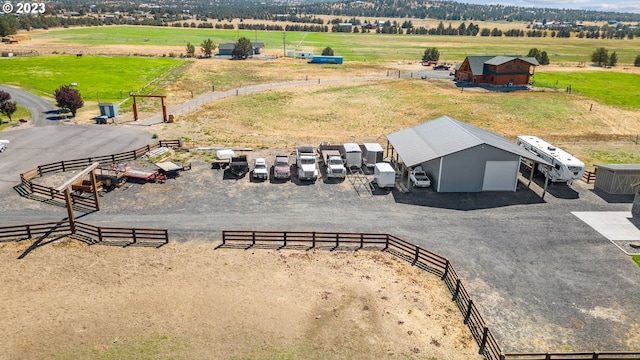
(187, 301)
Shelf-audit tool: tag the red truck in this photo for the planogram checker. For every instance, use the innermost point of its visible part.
(281, 167)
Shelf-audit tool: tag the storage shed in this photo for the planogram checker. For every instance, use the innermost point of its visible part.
(459, 157)
(226, 49)
(617, 178)
(109, 110)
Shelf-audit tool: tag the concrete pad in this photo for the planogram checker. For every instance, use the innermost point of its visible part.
(614, 225)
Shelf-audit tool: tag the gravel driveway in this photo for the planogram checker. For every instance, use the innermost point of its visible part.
(544, 280)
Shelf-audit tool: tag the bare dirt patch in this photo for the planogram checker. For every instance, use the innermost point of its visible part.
(187, 300)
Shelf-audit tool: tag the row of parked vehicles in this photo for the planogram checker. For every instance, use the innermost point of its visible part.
(337, 160)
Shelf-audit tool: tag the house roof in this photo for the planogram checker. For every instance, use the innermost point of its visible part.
(227, 46)
(257, 45)
(477, 63)
(444, 136)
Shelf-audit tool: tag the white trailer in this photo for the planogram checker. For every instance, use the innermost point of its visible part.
(565, 167)
(352, 155)
(372, 153)
(384, 175)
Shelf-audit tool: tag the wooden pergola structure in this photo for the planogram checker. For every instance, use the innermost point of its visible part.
(135, 105)
(91, 169)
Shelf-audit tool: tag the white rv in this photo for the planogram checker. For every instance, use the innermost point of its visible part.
(566, 167)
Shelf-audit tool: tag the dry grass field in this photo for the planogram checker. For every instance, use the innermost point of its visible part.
(188, 301)
(367, 111)
(185, 301)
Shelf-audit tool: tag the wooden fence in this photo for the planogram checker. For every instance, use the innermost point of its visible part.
(105, 235)
(589, 176)
(417, 256)
(68, 165)
(605, 355)
(28, 231)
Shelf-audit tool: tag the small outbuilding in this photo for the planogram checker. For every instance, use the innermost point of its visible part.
(459, 157)
(226, 49)
(617, 179)
(109, 110)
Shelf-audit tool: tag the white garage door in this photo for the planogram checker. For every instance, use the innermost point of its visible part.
(500, 176)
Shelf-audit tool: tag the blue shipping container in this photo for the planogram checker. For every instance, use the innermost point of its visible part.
(326, 60)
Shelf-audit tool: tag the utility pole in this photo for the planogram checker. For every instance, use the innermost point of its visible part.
(284, 43)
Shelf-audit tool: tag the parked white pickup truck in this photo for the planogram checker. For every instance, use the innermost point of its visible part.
(260, 170)
(3, 145)
(419, 178)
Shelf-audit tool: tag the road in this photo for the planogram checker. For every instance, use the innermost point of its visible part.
(45, 139)
(42, 111)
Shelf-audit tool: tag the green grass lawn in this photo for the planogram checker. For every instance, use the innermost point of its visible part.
(108, 78)
(21, 112)
(610, 88)
(369, 47)
(636, 259)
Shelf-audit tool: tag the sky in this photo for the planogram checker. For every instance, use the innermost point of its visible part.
(600, 5)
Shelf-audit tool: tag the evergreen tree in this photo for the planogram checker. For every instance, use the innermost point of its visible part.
(600, 56)
(613, 59)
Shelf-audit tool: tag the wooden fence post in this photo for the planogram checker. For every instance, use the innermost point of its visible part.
(468, 314)
(63, 168)
(457, 291)
(133, 232)
(313, 240)
(99, 234)
(224, 234)
(166, 236)
(28, 231)
(595, 355)
(337, 240)
(361, 240)
(483, 343)
(416, 256)
(502, 357)
(253, 238)
(284, 238)
(386, 244)
(446, 270)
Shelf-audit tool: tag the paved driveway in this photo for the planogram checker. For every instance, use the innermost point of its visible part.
(46, 139)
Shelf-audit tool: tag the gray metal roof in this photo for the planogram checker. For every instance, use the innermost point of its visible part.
(619, 167)
(226, 46)
(477, 63)
(444, 136)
